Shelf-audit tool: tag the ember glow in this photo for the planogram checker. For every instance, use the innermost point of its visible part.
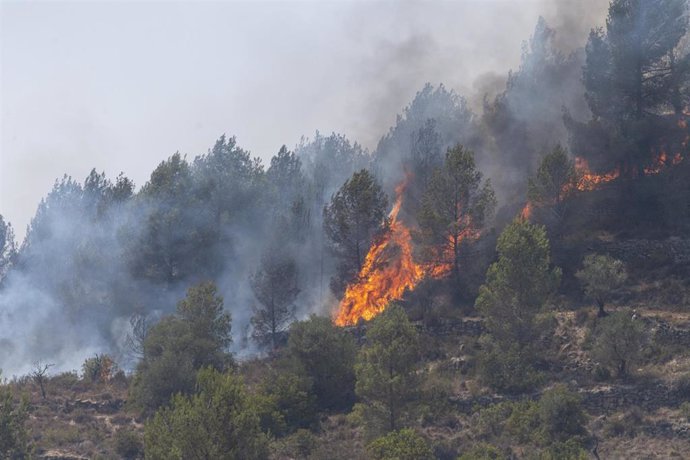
(390, 269)
(587, 180)
(662, 160)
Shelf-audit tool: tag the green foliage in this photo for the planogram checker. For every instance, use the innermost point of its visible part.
(355, 214)
(601, 275)
(569, 450)
(508, 369)
(300, 444)
(218, 422)
(554, 179)
(202, 309)
(128, 444)
(175, 348)
(157, 252)
(524, 424)
(8, 247)
(561, 415)
(14, 438)
(555, 175)
(634, 71)
(618, 341)
(287, 402)
(327, 354)
(482, 451)
(386, 368)
(275, 287)
(455, 204)
(555, 419)
(403, 444)
(284, 178)
(516, 289)
(518, 284)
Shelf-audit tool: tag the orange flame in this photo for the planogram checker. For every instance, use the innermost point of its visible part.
(588, 181)
(389, 269)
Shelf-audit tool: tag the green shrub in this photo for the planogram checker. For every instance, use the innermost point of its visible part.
(65, 381)
(403, 444)
(128, 444)
(327, 354)
(560, 414)
(197, 336)
(618, 341)
(568, 450)
(286, 402)
(14, 438)
(524, 423)
(483, 451)
(300, 444)
(490, 421)
(601, 275)
(508, 370)
(218, 422)
(556, 417)
(386, 369)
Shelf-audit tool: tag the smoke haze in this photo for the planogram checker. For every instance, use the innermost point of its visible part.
(119, 86)
(122, 86)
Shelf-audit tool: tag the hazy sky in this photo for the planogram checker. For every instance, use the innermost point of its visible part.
(120, 86)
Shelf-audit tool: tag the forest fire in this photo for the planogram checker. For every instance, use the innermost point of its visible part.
(588, 181)
(388, 271)
(662, 160)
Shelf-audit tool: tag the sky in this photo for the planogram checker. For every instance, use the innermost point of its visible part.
(120, 86)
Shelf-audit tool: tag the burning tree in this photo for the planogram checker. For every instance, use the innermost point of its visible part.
(388, 271)
(455, 207)
(354, 216)
(635, 76)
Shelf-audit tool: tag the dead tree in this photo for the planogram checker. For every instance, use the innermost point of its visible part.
(40, 375)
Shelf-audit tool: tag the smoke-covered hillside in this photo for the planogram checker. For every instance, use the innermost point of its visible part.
(101, 252)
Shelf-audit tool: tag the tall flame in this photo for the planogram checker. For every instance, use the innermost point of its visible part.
(389, 268)
(388, 271)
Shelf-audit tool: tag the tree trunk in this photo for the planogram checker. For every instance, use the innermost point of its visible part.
(602, 313)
